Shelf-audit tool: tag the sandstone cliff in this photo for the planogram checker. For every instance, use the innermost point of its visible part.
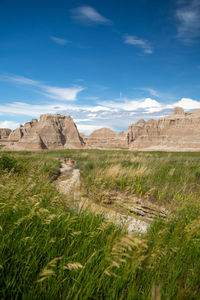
(179, 131)
(52, 131)
(18, 133)
(122, 135)
(4, 133)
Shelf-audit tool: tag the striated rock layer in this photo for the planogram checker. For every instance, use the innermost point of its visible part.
(106, 138)
(52, 131)
(179, 131)
(4, 133)
(22, 130)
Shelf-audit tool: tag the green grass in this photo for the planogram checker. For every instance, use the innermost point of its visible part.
(167, 178)
(48, 251)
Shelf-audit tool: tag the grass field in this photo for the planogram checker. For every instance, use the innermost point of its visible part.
(48, 251)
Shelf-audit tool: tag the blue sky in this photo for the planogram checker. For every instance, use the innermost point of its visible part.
(105, 63)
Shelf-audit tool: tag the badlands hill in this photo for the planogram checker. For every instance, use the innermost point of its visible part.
(177, 132)
(105, 138)
(4, 133)
(52, 131)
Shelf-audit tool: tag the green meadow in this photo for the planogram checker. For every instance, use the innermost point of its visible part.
(49, 251)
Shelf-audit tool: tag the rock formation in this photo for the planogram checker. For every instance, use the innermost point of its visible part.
(52, 131)
(82, 135)
(103, 133)
(4, 133)
(122, 135)
(18, 133)
(105, 138)
(179, 131)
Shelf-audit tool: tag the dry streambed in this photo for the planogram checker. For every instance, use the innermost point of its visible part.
(132, 212)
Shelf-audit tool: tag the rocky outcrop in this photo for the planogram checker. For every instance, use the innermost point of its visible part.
(122, 135)
(179, 131)
(83, 136)
(105, 138)
(52, 131)
(21, 131)
(103, 133)
(4, 133)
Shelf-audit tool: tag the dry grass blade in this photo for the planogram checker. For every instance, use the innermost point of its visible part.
(73, 266)
(47, 271)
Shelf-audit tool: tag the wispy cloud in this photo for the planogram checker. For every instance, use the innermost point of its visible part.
(87, 129)
(25, 109)
(9, 124)
(188, 16)
(21, 108)
(69, 94)
(135, 104)
(150, 91)
(58, 93)
(117, 114)
(133, 40)
(59, 41)
(147, 105)
(20, 80)
(88, 15)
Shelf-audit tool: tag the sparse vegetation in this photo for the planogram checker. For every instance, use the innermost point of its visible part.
(48, 251)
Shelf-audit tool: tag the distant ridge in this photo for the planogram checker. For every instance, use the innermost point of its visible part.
(177, 132)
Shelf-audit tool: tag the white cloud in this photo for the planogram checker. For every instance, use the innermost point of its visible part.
(88, 15)
(87, 129)
(147, 103)
(21, 108)
(9, 124)
(97, 108)
(68, 94)
(92, 115)
(59, 41)
(118, 114)
(186, 103)
(81, 120)
(58, 93)
(133, 40)
(188, 16)
(134, 105)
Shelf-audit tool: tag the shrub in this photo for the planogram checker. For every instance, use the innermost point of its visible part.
(10, 163)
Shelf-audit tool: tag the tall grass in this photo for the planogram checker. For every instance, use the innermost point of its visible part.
(48, 251)
(166, 178)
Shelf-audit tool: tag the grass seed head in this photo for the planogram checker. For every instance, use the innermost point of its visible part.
(73, 266)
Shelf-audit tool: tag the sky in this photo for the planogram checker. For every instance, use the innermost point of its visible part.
(107, 63)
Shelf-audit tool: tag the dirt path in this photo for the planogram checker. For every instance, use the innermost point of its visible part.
(134, 214)
(69, 180)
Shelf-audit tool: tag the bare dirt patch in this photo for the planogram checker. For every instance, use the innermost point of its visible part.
(132, 212)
